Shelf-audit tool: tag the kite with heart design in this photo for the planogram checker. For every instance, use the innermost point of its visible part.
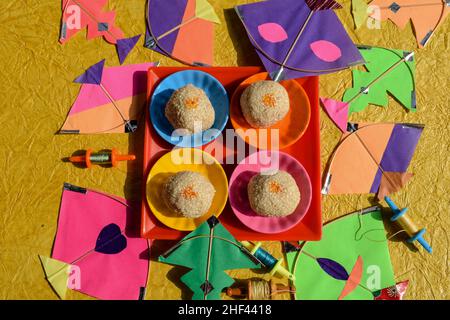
(97, 249)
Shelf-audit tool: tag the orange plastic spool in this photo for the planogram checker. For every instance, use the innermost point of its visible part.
(101, 158)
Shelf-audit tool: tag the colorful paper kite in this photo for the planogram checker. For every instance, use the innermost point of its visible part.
(350, 262)
(297, 38)
(384, 68)
(80, 14)
(373, 158)
(426, 15)
(97, 251)
(182, 30)
(111, 100)
(208, 251)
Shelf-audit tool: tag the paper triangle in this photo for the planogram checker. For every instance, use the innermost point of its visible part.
(395, 292)
(205, 11)
(354, 278)
(392, 182)
(359, 11)
(124, 46)
(93, 74)
(57, 274)
(337, 111)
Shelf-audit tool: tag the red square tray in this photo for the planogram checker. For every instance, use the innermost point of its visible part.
(306, 150)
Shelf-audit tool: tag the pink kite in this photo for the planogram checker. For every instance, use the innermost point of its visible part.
(96, 237)
(111, 99)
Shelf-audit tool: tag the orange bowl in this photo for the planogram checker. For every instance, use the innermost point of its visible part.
(290, 128)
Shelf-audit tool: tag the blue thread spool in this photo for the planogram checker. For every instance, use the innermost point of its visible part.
(267, 259)
(406, 224)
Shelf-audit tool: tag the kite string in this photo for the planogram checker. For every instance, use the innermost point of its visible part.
(388, 237)
(379, 240)
(261, 290)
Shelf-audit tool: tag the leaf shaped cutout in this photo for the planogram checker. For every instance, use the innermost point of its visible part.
(272, 32)
(354, 279)
(333, 268)
(326, 50)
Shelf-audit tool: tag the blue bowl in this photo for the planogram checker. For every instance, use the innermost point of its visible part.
(216, 94)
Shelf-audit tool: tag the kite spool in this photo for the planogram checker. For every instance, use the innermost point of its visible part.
(259, 289)
(101, 158)
(408, 225)
(267, 260)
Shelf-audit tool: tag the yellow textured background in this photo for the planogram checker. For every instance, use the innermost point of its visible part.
(37, 91)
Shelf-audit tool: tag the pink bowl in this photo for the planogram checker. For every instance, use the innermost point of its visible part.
(254, 164)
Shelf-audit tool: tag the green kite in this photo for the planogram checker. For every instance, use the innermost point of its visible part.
(208, 251)
(388, 71)
(350, 262)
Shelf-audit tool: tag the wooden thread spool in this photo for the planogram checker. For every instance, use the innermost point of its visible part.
(406, 224)
(259, 290)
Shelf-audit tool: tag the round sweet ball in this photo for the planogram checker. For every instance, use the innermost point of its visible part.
(264, 103)
(189, 109)
(188, 193)
(273, 195)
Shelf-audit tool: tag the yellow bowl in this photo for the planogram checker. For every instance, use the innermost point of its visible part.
(184, 159)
